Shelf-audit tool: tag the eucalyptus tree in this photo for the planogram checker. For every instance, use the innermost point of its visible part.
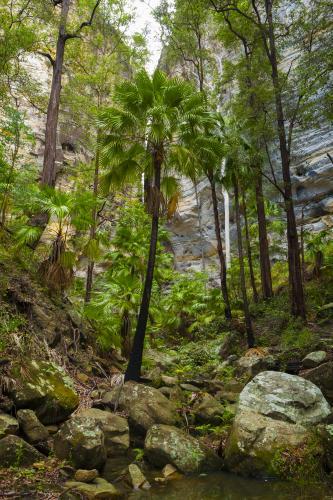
(145, 128)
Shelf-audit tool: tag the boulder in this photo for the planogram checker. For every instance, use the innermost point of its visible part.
(165, 444)
(326, 433)
(256, 440)
(169, 381)
(98, 489)
(207, 410)
(85, 476)
(161, 359)
(145, 406)
(250, 366)
(285, 397)
(45, 388)
(8, 425)
(15, 452)
(314, 359)
(114, 427)
(137, 478)
(81, 441)
(322, 376)
(34, 431)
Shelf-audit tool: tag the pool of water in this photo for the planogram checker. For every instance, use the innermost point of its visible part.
(230, 487)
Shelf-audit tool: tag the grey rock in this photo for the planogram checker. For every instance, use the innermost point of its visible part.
(285, 397)
(32, 428)
(99, 488)
(137, 477)
(15, 452)
(165, 444)
(207, 410)
(322, 376)
(8, 425)
(314, 359)
(81, 441)
(252, 365)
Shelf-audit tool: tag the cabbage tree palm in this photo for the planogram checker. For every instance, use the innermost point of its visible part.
(149, 121)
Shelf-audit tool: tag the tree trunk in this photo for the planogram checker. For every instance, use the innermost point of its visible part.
(203, 264)
(294, 263)
(248, 323)
(223, 269)
(93, 227)
(48, 176)
(134, 366)
(249, 252)
(125, 334)
(265, 264)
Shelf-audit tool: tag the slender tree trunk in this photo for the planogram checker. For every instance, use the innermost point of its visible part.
(265, 264)
(249, 251)
(203, 264)
(93, 227)
(134, 366)
(248, 322)
(294, 263)
(48, 176)
(125, 334)
(223, 269)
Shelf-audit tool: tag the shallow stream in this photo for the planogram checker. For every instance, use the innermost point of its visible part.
(230, 487)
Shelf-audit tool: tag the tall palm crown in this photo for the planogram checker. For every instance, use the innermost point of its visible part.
(146, 131)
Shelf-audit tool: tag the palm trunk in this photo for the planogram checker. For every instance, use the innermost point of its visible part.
(93, 227)
(248, 323)
(249, 252)
(48, 176)
(265, 264)
(294, 263)
(223, 269)
(203, 264)
(134, 366)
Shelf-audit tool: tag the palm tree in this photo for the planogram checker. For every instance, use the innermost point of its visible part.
(141, 133)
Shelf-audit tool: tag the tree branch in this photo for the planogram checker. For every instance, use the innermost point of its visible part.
(47, 55)
(76, 34)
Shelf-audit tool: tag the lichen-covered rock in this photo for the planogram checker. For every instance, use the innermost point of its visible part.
(114, 427)
(314, 359)
(250, 366)
(8, 425)
(322, 376)
(138, 479)
(34, 431)
(81, 441)
(15, 452)
(207, 410)
(145, 406)
(85, 476)
(45, 388)
(255, 441)
(165, 444)
(285, 397)
(98, 489)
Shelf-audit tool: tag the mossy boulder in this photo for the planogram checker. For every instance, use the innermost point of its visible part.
(207, 410)
(45, 388)
(114, 427)
(255, 442)
(98, 489)
(8, 425)
(34, 431)
(322, 376)
(165, 444)
(145, 406)
(15, 452)
(81, 441)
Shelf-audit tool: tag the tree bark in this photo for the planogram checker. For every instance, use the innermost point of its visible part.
(93, 227)
(48, 177)
(294, 263)
(249, 252)
(203, 264)
(248, 322)
(223, 269)
(133, 370)
(265, 264)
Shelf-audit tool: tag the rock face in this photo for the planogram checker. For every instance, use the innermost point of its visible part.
(145, 406)
(255, 440)
(165, 444)
(8, 425)
(45, 388)
(33, 429)
(322, 376)
(285, 397)
(115, 429)
(81, 441)
(15, 452)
